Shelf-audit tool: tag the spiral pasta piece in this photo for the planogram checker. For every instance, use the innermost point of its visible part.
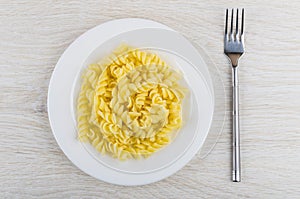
(129, 105)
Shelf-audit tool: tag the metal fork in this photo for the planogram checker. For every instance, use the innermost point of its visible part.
(234, 49)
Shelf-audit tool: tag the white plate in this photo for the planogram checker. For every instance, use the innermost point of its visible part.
(90, 47)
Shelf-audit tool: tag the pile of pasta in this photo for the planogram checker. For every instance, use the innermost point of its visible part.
(129, 105)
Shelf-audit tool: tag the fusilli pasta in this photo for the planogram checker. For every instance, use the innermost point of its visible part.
(129, 104)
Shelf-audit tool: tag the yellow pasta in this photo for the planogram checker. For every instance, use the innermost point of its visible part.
(129, 105)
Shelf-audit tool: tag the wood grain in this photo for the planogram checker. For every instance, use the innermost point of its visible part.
(35, 33)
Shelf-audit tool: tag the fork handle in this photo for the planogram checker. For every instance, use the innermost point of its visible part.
(236, 161)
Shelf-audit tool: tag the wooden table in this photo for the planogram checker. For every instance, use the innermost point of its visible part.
(35, 33)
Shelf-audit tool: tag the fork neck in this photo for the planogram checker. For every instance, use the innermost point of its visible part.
(235, 79)
(234, 59)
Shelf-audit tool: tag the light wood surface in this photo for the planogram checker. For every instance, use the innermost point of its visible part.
(35, 33)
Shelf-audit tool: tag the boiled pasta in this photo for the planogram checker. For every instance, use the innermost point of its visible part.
(129, 105)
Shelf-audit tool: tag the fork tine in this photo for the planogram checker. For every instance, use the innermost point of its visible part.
(231, 28)
(226, 22)
(237, 23)
(242, 28)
